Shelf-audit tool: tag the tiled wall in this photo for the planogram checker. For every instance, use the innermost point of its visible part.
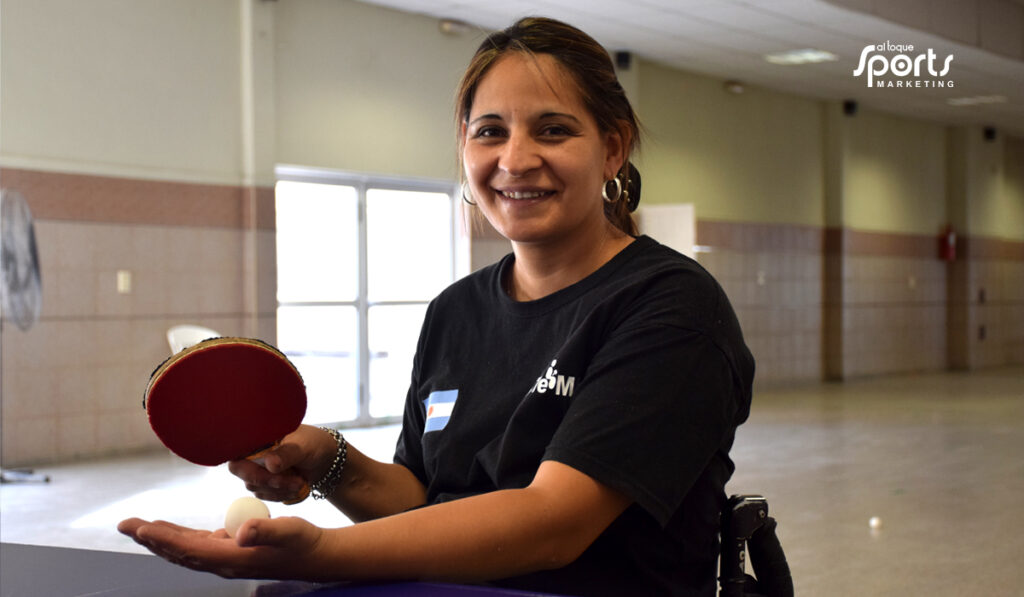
(991, 312)
(72, 384)
(773, 277)
(840, 304)
(892, 313)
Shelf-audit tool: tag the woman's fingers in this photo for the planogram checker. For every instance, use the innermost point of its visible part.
(263, 547)
(265, 485)
(192, 548)
(177, 528)
(129, 525)
(284, 472)
(285, 533)
(247, 470)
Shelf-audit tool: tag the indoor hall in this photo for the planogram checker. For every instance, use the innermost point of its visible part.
(869, 239)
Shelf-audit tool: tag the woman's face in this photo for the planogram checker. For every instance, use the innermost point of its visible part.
(534, 157)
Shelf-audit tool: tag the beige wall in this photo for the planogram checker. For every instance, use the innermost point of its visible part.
(147, 89)
(1013, 186)
(750, 157)
(365, 89)
(999, 211)
(895, 175)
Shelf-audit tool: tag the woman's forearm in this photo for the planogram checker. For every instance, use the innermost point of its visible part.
(489, 536)
(371, 489)
(493, 535)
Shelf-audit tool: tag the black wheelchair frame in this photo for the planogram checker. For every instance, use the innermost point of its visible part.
(746, 526)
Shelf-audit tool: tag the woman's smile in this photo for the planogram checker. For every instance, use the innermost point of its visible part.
(520, 195)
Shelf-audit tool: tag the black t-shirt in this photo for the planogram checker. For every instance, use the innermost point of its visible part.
(636, 376)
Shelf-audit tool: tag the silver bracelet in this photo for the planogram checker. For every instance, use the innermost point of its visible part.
(323, 488)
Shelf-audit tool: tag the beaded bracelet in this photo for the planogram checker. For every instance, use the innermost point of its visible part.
(323, 488)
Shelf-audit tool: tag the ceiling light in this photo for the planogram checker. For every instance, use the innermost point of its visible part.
(976, 100)
(804, 56)
(454, 27)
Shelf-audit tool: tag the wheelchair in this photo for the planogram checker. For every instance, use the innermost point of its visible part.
(746, 526)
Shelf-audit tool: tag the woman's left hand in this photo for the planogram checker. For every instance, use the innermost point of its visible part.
(279, 548)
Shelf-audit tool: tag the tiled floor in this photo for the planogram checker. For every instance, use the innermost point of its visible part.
(938, 458)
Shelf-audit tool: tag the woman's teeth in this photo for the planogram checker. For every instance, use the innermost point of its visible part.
(524, 194)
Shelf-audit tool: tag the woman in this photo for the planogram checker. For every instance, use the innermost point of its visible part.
(572, 407)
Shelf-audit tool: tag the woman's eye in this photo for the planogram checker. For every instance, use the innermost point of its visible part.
(556, 130)
(486, 132)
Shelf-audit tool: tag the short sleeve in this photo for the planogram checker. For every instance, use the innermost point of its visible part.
(409, 450)
(656, 404)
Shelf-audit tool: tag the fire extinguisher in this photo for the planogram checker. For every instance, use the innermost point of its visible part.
(947, 244)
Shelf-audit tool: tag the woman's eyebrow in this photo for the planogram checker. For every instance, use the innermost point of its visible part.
(543, 116)
(547, 115)
(486, 117)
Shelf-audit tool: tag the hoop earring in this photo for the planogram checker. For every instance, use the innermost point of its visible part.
(465, 198)
(618, 190)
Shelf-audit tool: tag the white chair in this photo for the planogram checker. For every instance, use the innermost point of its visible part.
(181, 337)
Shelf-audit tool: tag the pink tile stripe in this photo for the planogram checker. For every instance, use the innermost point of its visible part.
(88, 198)
(788, 238)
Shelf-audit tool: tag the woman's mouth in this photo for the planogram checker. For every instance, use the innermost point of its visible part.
(522, 195)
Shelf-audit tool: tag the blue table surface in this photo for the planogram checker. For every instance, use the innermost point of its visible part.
(33, 570)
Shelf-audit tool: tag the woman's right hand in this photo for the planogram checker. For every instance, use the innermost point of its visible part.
(283, 472)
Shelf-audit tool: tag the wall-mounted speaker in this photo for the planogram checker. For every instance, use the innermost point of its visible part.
(623, 60)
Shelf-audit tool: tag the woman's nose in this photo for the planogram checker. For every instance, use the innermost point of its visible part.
(519, 155)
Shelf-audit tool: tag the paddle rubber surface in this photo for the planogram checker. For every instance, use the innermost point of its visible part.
(224, 399)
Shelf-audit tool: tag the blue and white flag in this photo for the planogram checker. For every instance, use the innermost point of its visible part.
(439, 409)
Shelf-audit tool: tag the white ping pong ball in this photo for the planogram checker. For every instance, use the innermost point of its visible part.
(242, 510)
(875, 523)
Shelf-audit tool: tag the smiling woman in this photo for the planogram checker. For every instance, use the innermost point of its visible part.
(534, 157)
(579, 72)
(571, 408)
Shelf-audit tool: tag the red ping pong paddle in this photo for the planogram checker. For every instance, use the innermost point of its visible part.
(225, 399)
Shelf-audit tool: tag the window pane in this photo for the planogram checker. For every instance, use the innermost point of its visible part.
(393, 332)
(409, 236)
(322, 343)
(317, 242)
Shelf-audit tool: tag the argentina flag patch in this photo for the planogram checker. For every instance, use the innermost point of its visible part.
(439, 409)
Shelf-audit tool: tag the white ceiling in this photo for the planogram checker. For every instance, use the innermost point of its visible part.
(728, 38)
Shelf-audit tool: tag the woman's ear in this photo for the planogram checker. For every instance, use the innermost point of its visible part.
(616, 142)
(460, 147)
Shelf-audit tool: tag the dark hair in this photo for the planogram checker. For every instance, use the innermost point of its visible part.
(592, 71)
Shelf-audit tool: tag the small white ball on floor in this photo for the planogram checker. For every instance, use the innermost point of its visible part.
(242, 510)
(875, 523)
